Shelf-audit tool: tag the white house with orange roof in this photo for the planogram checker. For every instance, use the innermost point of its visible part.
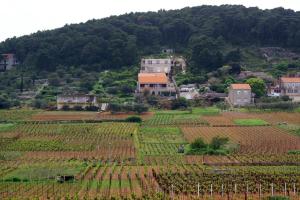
(240, 94)
(290, 86)
(155, 84)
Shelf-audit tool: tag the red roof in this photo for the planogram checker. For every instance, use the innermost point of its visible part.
(159, 78)
(290, 79)
(240, 86)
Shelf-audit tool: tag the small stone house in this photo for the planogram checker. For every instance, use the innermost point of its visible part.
(239, 94)
(290, 86)
(155, 84)
(76, 100)
(8, 61)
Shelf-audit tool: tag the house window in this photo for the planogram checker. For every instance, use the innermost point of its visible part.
(290, 91)
(238, 92)
(151, 85)
(295, 91)
(157, 62)
(245, 91)
(150, 62)
(142, 85)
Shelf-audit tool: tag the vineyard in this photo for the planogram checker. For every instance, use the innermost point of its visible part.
(89, 155)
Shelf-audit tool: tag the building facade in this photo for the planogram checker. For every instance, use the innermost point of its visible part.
(8, 61)
(240, 94)
(153, 65)
(155, 84)
(76, 100)
(290, 86)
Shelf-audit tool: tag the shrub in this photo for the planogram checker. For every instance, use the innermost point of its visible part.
(180, 103)
(295, 152)
(114, 107)
(78, 108)
(4, 102)
(134, 119)
(91, 108)
(39, 104)
(218, 142)
(65, 108)
(140, 108)
(198, 144)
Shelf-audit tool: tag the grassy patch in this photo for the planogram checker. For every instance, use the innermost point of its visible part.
(17, 115)
(250, 122)
(6, 127)
(206, 111)
(161, 135)
(11, 155)
(44, 145)
(172, 119)
(43, 171)
(160, 140)
(292, 128)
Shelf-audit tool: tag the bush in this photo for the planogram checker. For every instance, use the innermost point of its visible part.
(218, 142)
(216, 147)
(283, 105)
(78, 108)
(4, 102)
(39, 104)
(91, 108)
(140, 108)
(198, 144)
(134, 119)
(180, 103)
(65, 108)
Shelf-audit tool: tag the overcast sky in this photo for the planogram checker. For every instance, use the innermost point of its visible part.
(21, 17)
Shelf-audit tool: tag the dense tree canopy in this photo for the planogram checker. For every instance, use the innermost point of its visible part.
(201, 33)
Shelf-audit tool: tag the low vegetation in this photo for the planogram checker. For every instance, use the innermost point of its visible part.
(217, 146)
(250, 122)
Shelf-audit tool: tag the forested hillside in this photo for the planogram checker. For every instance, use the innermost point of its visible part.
(75, 57)
(204, 33)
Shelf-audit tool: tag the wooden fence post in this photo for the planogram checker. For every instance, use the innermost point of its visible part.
(284, 189)
(260, 190)
(235, 188)
(198, 190)
(222, 187)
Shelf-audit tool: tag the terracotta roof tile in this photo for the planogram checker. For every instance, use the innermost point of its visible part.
(159, 78)
(240, 86)
(290, 79)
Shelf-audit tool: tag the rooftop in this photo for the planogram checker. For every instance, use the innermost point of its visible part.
(240, 86)
(290, 79)
(159, 78)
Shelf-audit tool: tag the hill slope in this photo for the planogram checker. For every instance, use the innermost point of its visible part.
(209, 37)
(118, 41)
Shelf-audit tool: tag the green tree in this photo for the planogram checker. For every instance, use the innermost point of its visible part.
(198, 144)
(258, 86)
(180, 103)
(4, 102)
(140, 108)
(218, 142)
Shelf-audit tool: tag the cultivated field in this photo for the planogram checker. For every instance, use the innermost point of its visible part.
(88, 155)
